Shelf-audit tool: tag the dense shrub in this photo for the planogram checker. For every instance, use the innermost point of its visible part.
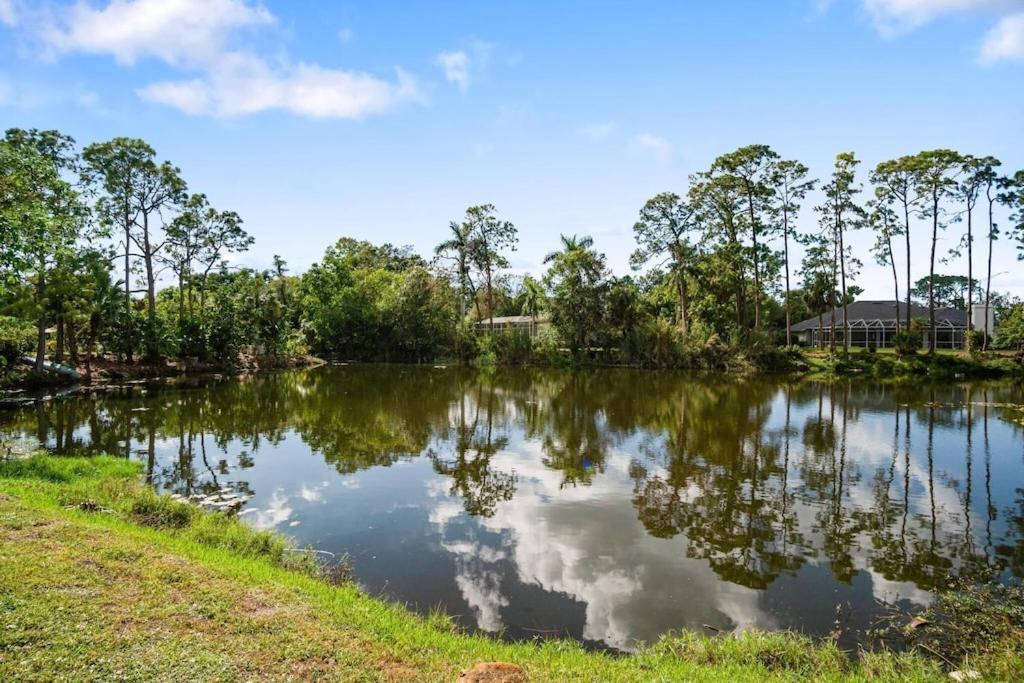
(192, 341)
(16, 339)
(908, 340)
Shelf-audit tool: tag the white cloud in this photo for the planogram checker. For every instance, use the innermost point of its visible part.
(456, 68)
(175, 31)
(199, 36)
(191, 97)
(895, 16)
(659, 148)
(247, 85)
(8, 13)
(1005, 41)
(597, 131)
(276, 513)
(312, 494)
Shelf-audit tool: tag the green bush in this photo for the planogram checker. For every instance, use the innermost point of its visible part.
(162, 512)
(660, 344)
(976, 339)
(908, 340)
(192, 337)
(548, 348)
(16, 339)
(485, 355)
(513, 347)
(1010, 334)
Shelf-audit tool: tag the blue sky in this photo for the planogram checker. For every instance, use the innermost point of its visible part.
(384, 120)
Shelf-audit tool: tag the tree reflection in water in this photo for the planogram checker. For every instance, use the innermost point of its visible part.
(754, 478)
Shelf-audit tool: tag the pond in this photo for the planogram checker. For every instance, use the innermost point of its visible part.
(606, 505)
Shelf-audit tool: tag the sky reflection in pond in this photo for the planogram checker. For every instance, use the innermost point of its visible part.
(608, 505)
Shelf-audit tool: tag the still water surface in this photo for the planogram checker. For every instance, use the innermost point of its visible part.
(607, 505)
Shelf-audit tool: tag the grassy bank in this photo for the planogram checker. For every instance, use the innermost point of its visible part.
(102, 579)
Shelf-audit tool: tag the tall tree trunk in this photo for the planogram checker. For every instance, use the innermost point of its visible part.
(895, 283)
(970, 279)
(462, 287)
(147, 256)
(906, 234)
(462, 303)
(832, 289)
(740, 305)
(181, 295)
(41, 320)
(757, 269)
(842, 272)
(785, 248)
(684, 304)
(128, 286)
(931, 272)
(490, 299)
(71, 338)
(988, 272)
(741, 298)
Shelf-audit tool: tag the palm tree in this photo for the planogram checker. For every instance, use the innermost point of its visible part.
(576, 278)
(533, 300)
(570, 244)
(459, 247)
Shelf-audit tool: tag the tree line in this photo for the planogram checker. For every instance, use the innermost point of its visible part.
(106, 252)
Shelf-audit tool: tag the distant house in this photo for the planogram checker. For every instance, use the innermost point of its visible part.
(512, 323)
(873, 323)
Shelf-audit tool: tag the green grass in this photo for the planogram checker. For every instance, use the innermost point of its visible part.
(101, 579)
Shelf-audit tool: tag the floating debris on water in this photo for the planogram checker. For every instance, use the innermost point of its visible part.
(224, 500)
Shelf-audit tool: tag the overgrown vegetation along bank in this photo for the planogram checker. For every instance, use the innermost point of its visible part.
(106, 372)
(674, 352)
(885, 365)
(136, 586)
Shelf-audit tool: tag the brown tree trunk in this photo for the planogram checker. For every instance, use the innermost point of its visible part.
(970, 279)
(931, 272)
(41, 321)
(128, 286)
(785, 247)
(490, 299)
(71, 336)
(842, 271)
(147, 257)
(895, 284)
(181, 294)
(757, 270)
(906, 235)
(684, 305)
(988, 273)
